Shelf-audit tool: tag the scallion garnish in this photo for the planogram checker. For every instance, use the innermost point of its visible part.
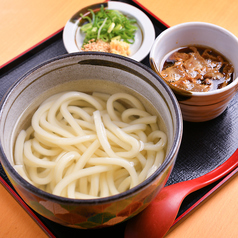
(109, 24)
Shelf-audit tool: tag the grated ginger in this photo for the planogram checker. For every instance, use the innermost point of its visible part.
(120, 47)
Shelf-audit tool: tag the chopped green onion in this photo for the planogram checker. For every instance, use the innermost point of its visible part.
(86, 27)
(116, 38)
(109, 24)
(111, 27)
(93, 16)
(86, 17)
(117, 28)
(99, 31)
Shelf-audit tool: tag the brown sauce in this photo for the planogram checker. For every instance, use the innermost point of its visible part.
(198, 69)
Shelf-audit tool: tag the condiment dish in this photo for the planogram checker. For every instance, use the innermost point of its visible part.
(144, 37)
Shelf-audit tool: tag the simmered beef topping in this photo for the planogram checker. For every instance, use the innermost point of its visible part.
(198, 69)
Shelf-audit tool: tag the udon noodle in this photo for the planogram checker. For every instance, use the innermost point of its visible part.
(87, 146)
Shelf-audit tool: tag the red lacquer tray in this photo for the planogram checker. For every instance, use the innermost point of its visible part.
(204, 146)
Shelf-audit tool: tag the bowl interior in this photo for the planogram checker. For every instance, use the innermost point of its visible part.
(195, 33)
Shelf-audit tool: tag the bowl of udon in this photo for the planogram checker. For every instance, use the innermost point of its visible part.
(198, 61)
(89, 139)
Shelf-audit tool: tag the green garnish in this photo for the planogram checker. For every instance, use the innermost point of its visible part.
(109, 24)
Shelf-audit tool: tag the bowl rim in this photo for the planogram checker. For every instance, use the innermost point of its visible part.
(63, 200)
(234, 83)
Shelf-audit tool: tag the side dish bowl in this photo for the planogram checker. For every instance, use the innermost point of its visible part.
(144, 37)
(198, 106)
(88, 72)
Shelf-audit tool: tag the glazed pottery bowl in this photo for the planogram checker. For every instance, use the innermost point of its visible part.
(198, 106)
(87, 72)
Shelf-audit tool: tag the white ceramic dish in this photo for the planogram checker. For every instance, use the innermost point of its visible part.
(144, 37)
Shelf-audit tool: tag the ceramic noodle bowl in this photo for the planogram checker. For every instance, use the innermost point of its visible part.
(198, 106)
(88, 72)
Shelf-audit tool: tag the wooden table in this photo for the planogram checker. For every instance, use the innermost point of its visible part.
(25, 23)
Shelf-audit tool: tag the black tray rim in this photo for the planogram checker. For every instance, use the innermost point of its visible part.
(7, 66)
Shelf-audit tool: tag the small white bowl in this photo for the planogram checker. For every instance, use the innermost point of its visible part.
(198, 106)
(144, 37)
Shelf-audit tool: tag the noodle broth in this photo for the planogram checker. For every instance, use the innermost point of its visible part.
(130, 158)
